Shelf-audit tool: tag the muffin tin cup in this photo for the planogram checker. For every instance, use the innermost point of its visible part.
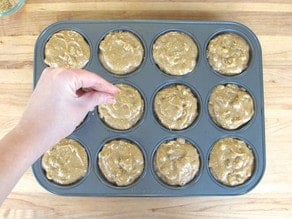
(148, 133)
(197, 175)
(103, 178)
(243, 126)
(171, 83)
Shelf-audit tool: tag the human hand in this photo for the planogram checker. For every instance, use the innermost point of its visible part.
(61, 100)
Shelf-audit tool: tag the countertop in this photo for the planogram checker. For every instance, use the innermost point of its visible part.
(270, 20)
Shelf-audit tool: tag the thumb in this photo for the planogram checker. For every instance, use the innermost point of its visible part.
(93, 98)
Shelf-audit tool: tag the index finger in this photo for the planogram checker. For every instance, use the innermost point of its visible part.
(91, 81)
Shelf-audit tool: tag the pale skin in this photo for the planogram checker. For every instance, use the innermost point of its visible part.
(60, 101)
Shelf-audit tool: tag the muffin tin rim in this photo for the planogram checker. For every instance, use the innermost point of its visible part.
(237, 27)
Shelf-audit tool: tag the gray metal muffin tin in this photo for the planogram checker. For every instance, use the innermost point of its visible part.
(148, 133)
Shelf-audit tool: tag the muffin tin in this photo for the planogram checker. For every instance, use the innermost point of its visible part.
(148, 134)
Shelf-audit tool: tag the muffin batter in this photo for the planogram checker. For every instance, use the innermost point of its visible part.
(121, 52)
(230, 106)
(176, 107)
(175, 53)
(231, 161)
(66, 162)
(67, 49)
(6, 5)
(127, 110)
(176, 162)
(121, 162)
(228, 54)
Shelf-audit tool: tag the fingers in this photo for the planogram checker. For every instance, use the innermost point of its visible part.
(90, 81)
(93, 99)
(89, 87)
(81, 78)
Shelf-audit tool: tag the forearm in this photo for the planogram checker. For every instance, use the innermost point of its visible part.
(60, 101)
(18, 150)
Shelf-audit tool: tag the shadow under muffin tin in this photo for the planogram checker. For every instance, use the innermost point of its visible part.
(148, 133)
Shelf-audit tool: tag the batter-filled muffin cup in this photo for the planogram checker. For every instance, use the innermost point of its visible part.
(121, 162)
(66, 162)
(175, 53)
(126, 112)
(176, 107)
(230, 106)
(121, 52)
(67, 49)
(231, 161)
(176, 162)
(228, 54)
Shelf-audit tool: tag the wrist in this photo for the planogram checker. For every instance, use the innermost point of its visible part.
(30, 140)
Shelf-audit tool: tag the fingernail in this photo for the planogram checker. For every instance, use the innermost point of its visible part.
(110, 100)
